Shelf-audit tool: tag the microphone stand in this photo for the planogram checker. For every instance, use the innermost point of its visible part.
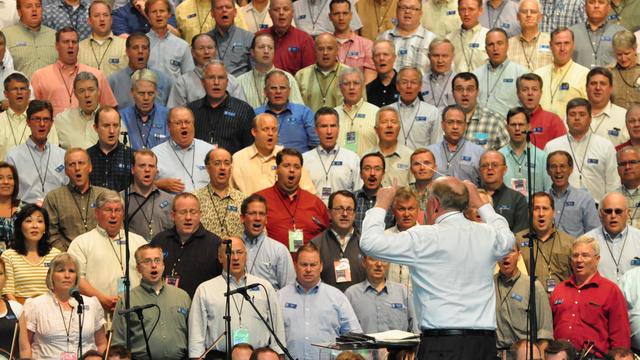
(80, 315)
(533, 326)
(127, 282)
(227, 312)
(144, 331)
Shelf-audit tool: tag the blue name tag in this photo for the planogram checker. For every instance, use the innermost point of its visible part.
(524, 243)
(569, 203)
(606, 38)
(544, 46)
(60, 168)
(164, 204)
(201, 167)
(229, 113)
(507, 80)
(21, 43)
(425, 93)
(303, 16)
(354, 53)
(232, 208)
(421, 118)
(92, 205)
(504, 207)
(177, 63)
(506, 26)
(183, 311)
(121, 242)
(635, 261)
(337, 163)
(46, 264)
(592, 161)
(466, 158)
(558, 302)
(402, 52)
(613, 17)
(360, 116)
(11, 317)
(293, 49)
(191, 16)
(516, 297)
(290, 305)
(397, 306)
(474, 45)
(273, 167)
(538, 130)
(114, 61)
(564, 86)
(451, 12)
(402, 166)
(614, 132)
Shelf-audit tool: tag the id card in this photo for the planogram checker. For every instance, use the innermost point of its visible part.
(68, 356)
(326, 192)
(240, 336)
(551, 285)
(172, 280)
(342, 270)
(121, 288)
(296, 239)
(351, 141)
(519, 185)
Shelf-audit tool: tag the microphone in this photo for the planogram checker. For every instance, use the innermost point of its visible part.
(135, 309)
(75, 293)
(124, 133)
(317, 222)
(242, 290)
(226, 241)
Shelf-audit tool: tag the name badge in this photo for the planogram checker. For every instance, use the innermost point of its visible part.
(114, 61)
(92, 205)
(507, 81)
(273, 167)
(504, 207)
(296, 239)
(614, 17)
(183, 311)
(592, 161)
(302, 16)
(402, 166)
(558, 302)
(451, 12)
(516, 297)
(229, 113)
(354, 53)
(232, 208)
(481, 138)
(466, 158)
(21, 43)
(60, 168)
(46, 264)
(425, 93)
(342, 270)
(569, 203)
(191, 16)
(421, 118)
(397, 306)
(360, 116)
(263, 26)
(538, 130)
(240, 336)
(326, 192)
(236, 45)
(614, 132)
(506, 26)
(605, 38)
(635, 261)
(545, 47)
(164, 204)
(402, 52)
(201, 167)
(337, 163)
(474, 45)
(564, 86)
(290, 305)
(176, 63)
(293, 49)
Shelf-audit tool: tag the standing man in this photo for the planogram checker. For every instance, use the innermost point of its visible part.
(632, 123)
(75, 125)
(468, 39)
(232, 42)
(58, 14)
(405, 211)
(530, 48)
(593, 37)
(439, 299)
(396, 155)
(607, 119)
(382, 91)
(501, 14)
(372, 169)
(423, 168)
(311, 17)
(629, 170)
(436, 83)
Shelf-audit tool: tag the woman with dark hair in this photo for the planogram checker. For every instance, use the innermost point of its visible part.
(28, 259)
(9, 203)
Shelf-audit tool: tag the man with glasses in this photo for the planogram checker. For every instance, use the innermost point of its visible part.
(530, 48)
(189, 249)
(629, 171)
(173, 308)
(372, 169)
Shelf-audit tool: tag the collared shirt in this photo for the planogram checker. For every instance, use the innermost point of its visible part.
(355, 52)
(311, 17)
(625, 14)
(75, 129)
(194, 17)
(397, 272)
(31, 50)
(397, 165)
(294, 49)
(71, 213)
(228, 125)
(419, 124)
(357, 131)
(633, 199)
(146, 134)
(512, 303)
(545, 126)
(186, 164)
(487, 129)
(127, 20)
(469, 45)
(296, 126)
(441, 17)
(561, 13)
(208, 308)
(411, 50)
(376, 16)
(169, 54)
(188, 88)
(251, 86)
(24, 278)
(391, 308)
(253, 172)
(463, 163)
(594, 311)
(233, 49)
(617, 253)
(380, 94)
(189, 262)
(40, 170)
(108, 55)
(335, 249)
(594, 163)
(55, 83)
(505, 17)
(58, 14)
(436, 89)
(626, 85)
(169, 339)
(593, 48)
(111, 170)
(149, 215)
(120, 82)
(318, 315)
(498, 85)
(438, 292)
(512, 205)
(532, 54)
(14, 131)
(553, 257)
(333, 170)
(221, 215)
(270, 260)
(516, 176)
(630, 289)
(610, 124)
(254, 19)
(562, 85)
(364, 202)
(576, 211)
(319, 89)
(102, 259)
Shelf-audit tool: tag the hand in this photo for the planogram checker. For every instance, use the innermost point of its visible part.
(4, 104)
(474, 198)
(385, 195)
(175, 31)
(108, 302)
(171, 185)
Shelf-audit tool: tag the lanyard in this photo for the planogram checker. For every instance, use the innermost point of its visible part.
(436, 103)
(539, 251)
(314, 20)
(495, 84)
(413, 121)
(255, 20)
(581, 166)
(67, 329)
(149, 219)
(490, 10)
(255, 257)
(558, 84)
(286, 206)
(446, 150)
(193, 160)
(532, 53)
(564, 204)
(215, 209)
(238, 310)
(115, 253)
(103, 54)
(42, 179)
(624, 243)
(64, 81)
(506, 296)
(201, 24)
(468, 59)
(221, 55)
(326, 171)
(325, 92)
(519, 163)
(632, 84)
(355, 114)
(24, 129)
(380, 20)
(595, 50)
(346, 54)
(145, 140)
(261, 99)
(86, 210)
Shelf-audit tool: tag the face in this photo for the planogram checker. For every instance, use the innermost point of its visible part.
(326, 51)
(18, 94)
(255, 219)
(64, 277)
(376, 269)
(626, 58)
(215, 81)
(40, 124)
(108, 128)
(492, 168)
(241, 354)
(186, 215)
(264, 51)
(578, 120)
(562, 48)
(181, 127)
(469, 11)
(277, 90)
(7, 182)
(559, 170)
(388, 126)
(423, 166)
(496, 45)
(110, 217)
(408, 13)
(289, 172)
(599, 90)
(529, 94)
(308, 268)
(441, 58)
(351, 88)
(509, 263)
(224, 13)
(144, 170)
(517, 128)
(408, 84)
(238, 257)
(30, 12)
(100, 19)
(67, 48)
(372, 172)
(340, 15)
(542, 214)
(158, 15)
(614, 212)
(281, 13)
(529, 14)
(138, 53)
(383, 58)
(584, 260)
(204, 50)
(465, 93)
(629, 166)
(219, 167)
(150, 265)
(454, 126)
(33, 227)
(144, 94)
(406, 213)
(597, 10)
(633, 123)
(342, 213)
(86, 92)
(327, 129)
(78, 167)
(266, 133)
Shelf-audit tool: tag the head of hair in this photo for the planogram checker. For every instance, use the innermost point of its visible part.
(251, 199)
(143, 152)
(308, 247)
(193, 39)
(624, 39)
(600, 71)
(134, 36)
(183, 195)
(74, 150)
(577, 102)
(325, 110)
(262, 350)
(466, 76)
(373, 154)
(57, 262)
(144, 247)
(419, 151)
(108, 196)
(91, 354)
(143, 75)
(385, 109)
(18, 243)
(149, 3)
(3, 38)
(350, 71)
(99, 2)
(119, 351)
(334, 2)
(530, 77)
(448, 108)
(518, 110)
(558, 346)
(17, 77)
(16, 182)
(524, 343)
(439, 41)
(243, 346)
(349, 355)
(260, 35)
(561, 29)
(103, 109)
(498, 30)
(561, 153)
(85, 75)
(587, 240)
(542, 194)
(448, 197)
(620, 352)
(36, 106)
(404, 193)
(288, 151)
(345, 193)
(207, 157)
(409, 68)
(65, 29)
(273, 73)
(383, 41)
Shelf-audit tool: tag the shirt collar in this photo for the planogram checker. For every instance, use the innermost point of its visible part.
(413, 104)
(242, 282)
(110, 36)
(61, 66)
(149, 288)
(177, 147)
(595, 281)
(33, 145)
(253, 241)
(255, 153)
(313, 290)
(617, 238)
(370, 287)
(104, 234)
(333, 151)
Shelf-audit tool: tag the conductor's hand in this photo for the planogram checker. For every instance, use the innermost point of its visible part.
(475, 200)
(385, 195)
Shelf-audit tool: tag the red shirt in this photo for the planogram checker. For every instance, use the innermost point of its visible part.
(596, 311)
(623, 145)
(545, 126)
(304, 209)
(294, 49)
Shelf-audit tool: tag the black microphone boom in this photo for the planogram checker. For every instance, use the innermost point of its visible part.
(75, 293)
(135, 309)
(242, 290)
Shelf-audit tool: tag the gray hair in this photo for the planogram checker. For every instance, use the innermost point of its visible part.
(143, 75)
(385, 41)
(275, 72)
(587, 240)
(409, 68)
(108, 196)
(85, 75)
(386, 109)
(350, 71)
(439, 41)
(58, 262)
(624, 39)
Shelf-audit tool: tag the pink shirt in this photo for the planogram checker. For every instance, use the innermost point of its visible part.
(56, 85)
(356, 52)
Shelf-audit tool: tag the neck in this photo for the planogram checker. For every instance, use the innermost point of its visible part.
(40, 144)
(613, 234)
(106, 148)
(596, 109)
(264, 151)
(97, 36)
(162, 32)
(386, 78)
(518, 147)
(560, 189)
(407, 30)
(326, 68)
(491, 188)
(277, 108)
(370, 192)
(31, 246)
(88, 112)
(496, 3)
(509, 275)
(496, 64)
(348, 104)
(407, 101)
(221, 189)
(32, 28)
(404, 228)
(577, 136)
(530, 32)
(388, 147)
(595, 24)
(154, 285)
(422, 185)
(341, 232)
(260, 5)
(72, 2)
(142, 189)
(281, 31)
(18, 110)
(633, 184)
(62, 296)
(545, 234)
(343, 34)
(238, 277)
(214, 103)
(635, 142)
(583, 279)
(263, 68)
(377, 284)
(470, 27)
(287, 191)
(84, 187)
(327, 147)
(557, 64)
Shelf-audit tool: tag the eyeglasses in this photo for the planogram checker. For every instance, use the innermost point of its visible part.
(491, 166)
(610, 211)
(341, 210)
(455, 122)
(408, 8)
(184, 212)
(148, 261)
(628, 162)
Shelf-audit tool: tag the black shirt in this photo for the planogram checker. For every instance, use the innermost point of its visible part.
(112, 170)
(330, 251)
(380, 95)
(513, 206)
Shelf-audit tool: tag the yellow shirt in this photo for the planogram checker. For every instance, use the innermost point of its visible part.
(108, 56)
(441, 17)
(357, 127)
(14, 131)
(194, 19)
(376, 16)
(469, 48)
(318, 89)
(30, 50)
(561, 85)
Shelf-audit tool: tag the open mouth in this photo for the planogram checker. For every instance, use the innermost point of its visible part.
(256, 226)
(184, 132)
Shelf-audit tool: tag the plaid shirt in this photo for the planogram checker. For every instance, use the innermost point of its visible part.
(111, 170)
(364, 203)
(557, 13)
(532, 54)
(58, 14)
(487, 129)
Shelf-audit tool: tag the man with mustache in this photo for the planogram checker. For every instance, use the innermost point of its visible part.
(75, 125)
(372, 169)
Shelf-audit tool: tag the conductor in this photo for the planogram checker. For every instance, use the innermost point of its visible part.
(451, 262)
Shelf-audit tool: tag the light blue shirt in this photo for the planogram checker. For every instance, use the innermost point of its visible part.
(505, 16)
(451, 264)
(40, 171)
(517, 169)
(270, 260)
(419, 124)
(631, 290)
(337, 169)
(184, 164)
(169, 54)
(317, 316)
(497, 86)
(120, 83)
(296, 126)
(576, 211)
(618, 254)
(463, 164)
(149, 134)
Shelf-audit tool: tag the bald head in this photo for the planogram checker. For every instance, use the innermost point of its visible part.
(614, 212)
(326, 51)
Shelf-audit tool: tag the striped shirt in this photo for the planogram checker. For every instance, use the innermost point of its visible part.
(532, 54)
(24, 278)
(558, 13)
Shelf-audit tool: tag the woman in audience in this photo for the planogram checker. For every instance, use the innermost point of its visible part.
(29, 256)
(49, 323)
(626, 72)
(9, 203)
(9, 313)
